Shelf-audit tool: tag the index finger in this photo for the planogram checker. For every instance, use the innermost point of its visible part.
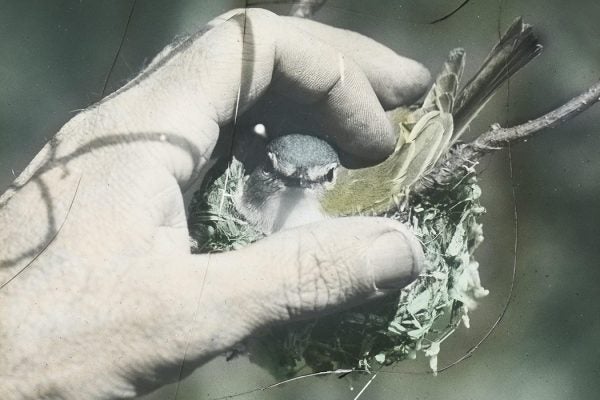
(396, 80)
(256, 50)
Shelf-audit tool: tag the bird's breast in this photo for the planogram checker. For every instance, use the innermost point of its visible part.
(285, 208)
(297, 207)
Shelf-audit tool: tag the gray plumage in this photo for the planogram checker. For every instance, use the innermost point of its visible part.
(302, 159)
(285, 190)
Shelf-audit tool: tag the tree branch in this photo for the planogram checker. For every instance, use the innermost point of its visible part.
(463, 157)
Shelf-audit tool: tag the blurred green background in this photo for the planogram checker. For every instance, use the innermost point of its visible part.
(55, 58)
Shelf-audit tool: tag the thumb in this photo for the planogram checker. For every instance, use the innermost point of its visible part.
(320, 268)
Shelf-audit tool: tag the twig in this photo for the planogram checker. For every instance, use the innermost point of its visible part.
(500, 137)
(365, 387)
(462, 158)
(451, 13)
(306, 8)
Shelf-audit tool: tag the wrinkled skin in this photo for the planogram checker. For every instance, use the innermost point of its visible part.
(101, 297)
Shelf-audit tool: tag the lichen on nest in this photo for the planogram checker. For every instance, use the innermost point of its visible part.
(384, 331)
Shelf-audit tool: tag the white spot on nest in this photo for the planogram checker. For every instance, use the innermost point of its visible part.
(163, 138)
(260, 130)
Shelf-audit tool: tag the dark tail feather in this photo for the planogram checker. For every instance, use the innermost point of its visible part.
(445, 90)
(515, 49)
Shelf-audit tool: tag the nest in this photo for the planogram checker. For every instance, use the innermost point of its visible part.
(418, 319)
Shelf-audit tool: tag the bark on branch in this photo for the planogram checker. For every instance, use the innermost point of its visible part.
(463, 157)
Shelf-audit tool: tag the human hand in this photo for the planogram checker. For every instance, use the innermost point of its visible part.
(100, 295)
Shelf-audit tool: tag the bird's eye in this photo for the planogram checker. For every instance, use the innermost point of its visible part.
(330, 175)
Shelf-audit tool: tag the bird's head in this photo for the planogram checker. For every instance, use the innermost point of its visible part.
(302, 161)
(287, 188)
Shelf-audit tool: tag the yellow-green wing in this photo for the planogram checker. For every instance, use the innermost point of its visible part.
(379, 188)
(424, 135)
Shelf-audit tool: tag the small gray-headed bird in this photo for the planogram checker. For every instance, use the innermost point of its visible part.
(287, 188)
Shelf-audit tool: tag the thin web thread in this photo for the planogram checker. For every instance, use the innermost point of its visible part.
(235, 119)
(191, 331)
(118, 52)
(515, 224)
(365, 387)
(30, 263)
(104, 86)
(358, 13)
(235, 115)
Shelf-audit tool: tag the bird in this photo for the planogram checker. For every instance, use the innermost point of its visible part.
(300, 179)
(426, 133)
(285, 190)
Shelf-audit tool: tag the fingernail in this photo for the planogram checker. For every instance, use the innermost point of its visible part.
(396, 259)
